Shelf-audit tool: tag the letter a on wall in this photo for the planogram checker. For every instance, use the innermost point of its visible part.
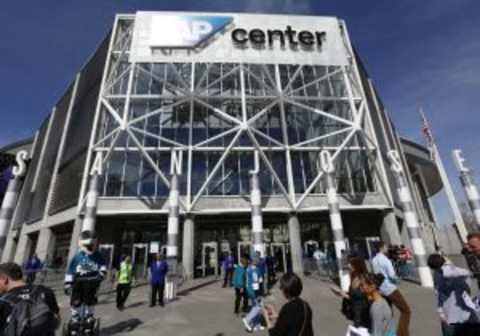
(97, 167)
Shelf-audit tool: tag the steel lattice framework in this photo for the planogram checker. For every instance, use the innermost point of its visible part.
(275, 110)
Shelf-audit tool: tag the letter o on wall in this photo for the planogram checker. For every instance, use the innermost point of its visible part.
(257, 36)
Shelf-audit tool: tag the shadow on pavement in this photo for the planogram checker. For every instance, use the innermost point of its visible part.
(124, 326)
(136, 304)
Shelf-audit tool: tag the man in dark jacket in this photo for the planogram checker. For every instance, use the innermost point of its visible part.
(473, 262)
(158, 272)
(32, 266)
(228, 265)
(13, 290)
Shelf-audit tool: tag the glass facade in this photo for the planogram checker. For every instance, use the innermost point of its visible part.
(292, 111)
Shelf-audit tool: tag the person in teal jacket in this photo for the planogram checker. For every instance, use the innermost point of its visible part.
(240, 284)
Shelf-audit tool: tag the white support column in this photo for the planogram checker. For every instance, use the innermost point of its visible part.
(45, 244)
(295, 244)
(173, 217)
(90, 215)
(472, 195)
(257, 219)
(23, 247)
(337, 231)
(389, 231)
(469, 186)
(8, 207)
(411, 220)
(188, 246)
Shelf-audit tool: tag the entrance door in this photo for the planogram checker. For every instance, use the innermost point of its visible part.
(310, 246)
(140, 261)
(244, 248)
(209, 259)
(371, 246)
(279, 252)
(106, 250)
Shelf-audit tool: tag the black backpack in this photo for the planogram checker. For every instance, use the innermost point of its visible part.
(30, 314)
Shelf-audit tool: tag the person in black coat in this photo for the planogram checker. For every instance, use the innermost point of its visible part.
(295, 317)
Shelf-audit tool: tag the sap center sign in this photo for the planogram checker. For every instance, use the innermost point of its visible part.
(161, 37)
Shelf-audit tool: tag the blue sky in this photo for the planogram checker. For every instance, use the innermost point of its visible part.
(417, 52)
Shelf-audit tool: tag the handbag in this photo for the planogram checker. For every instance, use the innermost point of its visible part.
(347, 309)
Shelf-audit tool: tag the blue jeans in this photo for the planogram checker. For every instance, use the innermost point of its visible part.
(253, 317)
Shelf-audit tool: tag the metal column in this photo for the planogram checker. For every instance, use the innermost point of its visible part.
(8, 207)
(91, 205)
(411, 220)
(468, 184)
(472, 195)
(295, 244)
(188, 246)
(337, 231)
(172, 230)
(257, 220)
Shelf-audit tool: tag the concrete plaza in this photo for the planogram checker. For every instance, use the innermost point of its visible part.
(208, 311)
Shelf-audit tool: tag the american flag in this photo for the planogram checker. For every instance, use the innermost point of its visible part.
(427, 133)
(426, 130)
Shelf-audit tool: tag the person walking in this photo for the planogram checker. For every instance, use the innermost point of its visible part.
(32, 266)
(25, 309)
(457, 310)
(124, 282)
(252, 320)
(382, 265)
(271, 273)
(228, 267)
(262, 271)
(240, 285)
(472, 260)
(381, 314)
(295, 317)
(158, 272)
(355, 304)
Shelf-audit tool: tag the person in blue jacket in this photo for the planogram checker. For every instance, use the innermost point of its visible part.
(240, 285)
(85, 272)
(228, 266)
(32, 266)
(158, 272)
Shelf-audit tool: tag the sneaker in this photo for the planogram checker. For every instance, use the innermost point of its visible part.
(247, 326)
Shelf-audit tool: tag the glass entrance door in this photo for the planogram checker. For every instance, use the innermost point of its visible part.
(244, 248)
(140, 261)
(309, 247)
(107, 250)
(279, 253)
(209, 264)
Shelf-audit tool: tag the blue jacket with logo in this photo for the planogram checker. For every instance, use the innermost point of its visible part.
(86, 266)
(158, 272)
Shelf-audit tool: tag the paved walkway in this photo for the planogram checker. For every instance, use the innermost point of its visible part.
(208, 311)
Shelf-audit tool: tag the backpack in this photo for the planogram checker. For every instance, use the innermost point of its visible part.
(30, 314)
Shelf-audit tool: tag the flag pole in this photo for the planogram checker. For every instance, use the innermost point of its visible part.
(427, 131)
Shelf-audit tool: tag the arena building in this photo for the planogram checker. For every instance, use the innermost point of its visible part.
(213, 99)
